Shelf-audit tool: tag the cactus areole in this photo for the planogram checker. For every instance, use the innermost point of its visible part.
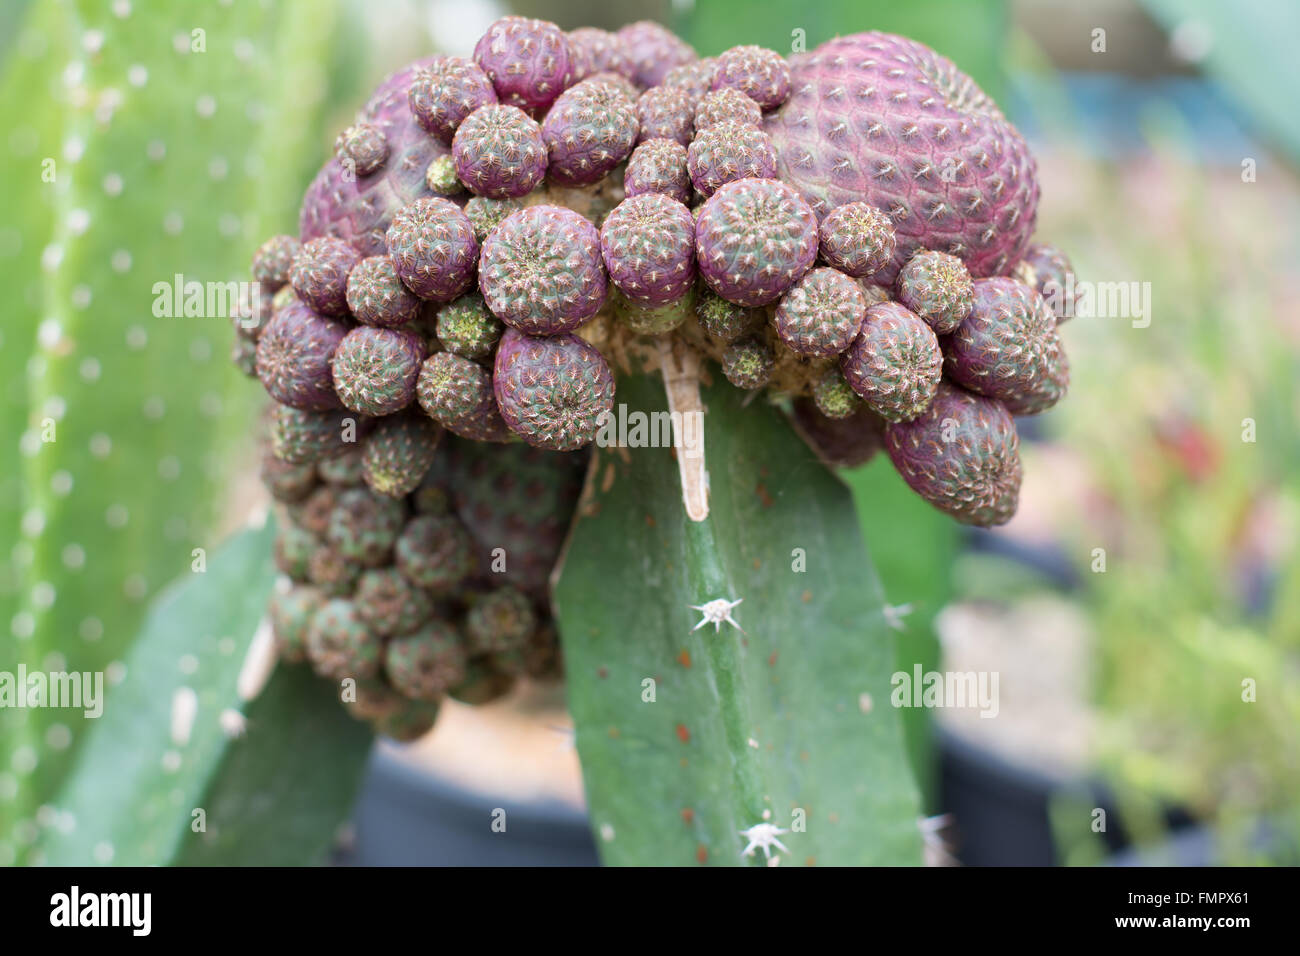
(498, 241)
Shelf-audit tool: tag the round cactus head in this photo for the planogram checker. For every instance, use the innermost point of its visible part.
(293, 357)
(527, 61)
(553, 391)
(648, 245)
(917, 139)
(591, 129)
(894, 363)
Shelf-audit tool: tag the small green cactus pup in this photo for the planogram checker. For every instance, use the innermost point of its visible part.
(334, 574)
(290, 611)
(375, 370)
(722, 320)
(343, 469)
(436, 553)
(502, 620)
(377, 297)
(398, 453)
(285, 481)
(364, 526)
(273, 262)
(858, 239)
(303, 437)
(467, 328)
(364, 147)
(653, 319)
(458, 394)
(895, 363)
(293, 549)
(424, 665)
(937, 287)
(821, 314)
(440, 177)
(486, 214)
(339, 644)
(748, 363)
(389, 604)
(553, 391)
(834, 397)
(483, 684)
(727, 106)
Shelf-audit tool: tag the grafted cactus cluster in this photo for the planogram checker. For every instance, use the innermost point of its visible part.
(498, 238)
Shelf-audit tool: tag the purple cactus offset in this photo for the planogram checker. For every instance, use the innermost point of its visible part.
(332, 573)
(839, 442)
(468, 328)
(962, 456)
(499, 152)
(273, 262)
(695, 79)
(834, 396)
(320, 274)
(441, 96)
(441, 177)
(591, 129)
(821, 314)
(527, 61)
(653, 50)
(363, 146)
(435, 552)
(364, 526)
(339, 644)
(397, 454)
(723, 320)
(389, 604)
(895, 363)
(726, 106)
(292, 550)
(755, 238)
(432, 245)
(377, 296)
(428, 663)
(360, 209)
(293, 357)
(653, 319)
(597, 51)
(630, 89)
(1008, 347)
(541, 270)
(299, 436)
(1047, 270)
(937, 287)
(727, 152)
(665, 112)
(553, 392)
(858, 239)
(290, 613)
(486, 214)
(285, 481)
(375, 369)
(518, 499)
(748, 363)
(648, 244)
(658, 166)
(917, 139)
(759, 73)
(500, 621)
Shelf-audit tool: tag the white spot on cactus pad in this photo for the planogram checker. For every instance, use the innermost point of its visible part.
(763, 836)
(717, 612)
(233, 723)
(185, 707)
